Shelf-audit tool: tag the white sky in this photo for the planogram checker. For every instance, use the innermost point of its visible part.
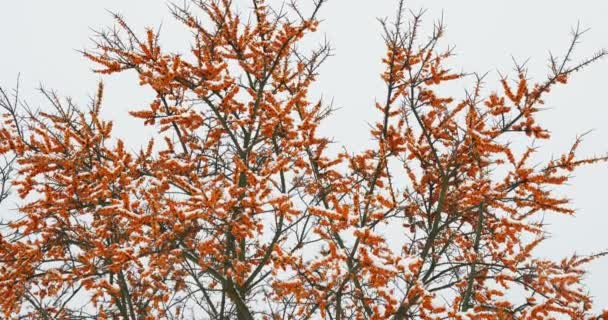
(39, 39)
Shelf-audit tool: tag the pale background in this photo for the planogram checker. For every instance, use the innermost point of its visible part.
(39, 39)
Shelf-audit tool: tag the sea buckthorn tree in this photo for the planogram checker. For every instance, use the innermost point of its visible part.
(239, 208)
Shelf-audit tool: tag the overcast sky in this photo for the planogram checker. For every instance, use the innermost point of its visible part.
(39, 39)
